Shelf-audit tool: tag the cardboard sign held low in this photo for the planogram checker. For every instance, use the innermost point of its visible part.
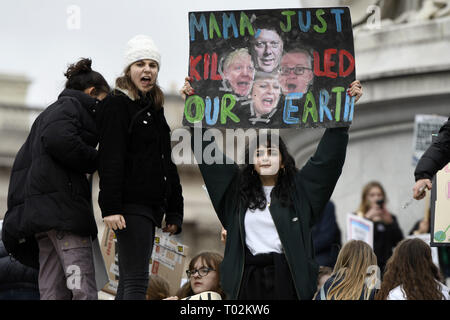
(167, 260)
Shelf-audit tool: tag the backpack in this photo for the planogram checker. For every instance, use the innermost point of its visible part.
(25, 250)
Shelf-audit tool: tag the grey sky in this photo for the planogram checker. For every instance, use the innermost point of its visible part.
(37, 42)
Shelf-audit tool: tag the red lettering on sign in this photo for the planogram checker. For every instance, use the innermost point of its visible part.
(206, 66)
(351, 67)
(329, 64)
(192, 67)
(214, 75)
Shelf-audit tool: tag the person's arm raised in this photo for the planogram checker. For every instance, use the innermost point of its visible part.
(321, 173)
(217, 176)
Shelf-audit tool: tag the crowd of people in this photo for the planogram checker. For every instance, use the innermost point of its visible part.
(273, 213)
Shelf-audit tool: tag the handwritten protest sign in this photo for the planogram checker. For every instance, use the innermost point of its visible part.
(440, 208)
(425, 125)
(359, 228)
(282, 68)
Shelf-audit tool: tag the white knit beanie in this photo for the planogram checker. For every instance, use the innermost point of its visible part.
(141, 47)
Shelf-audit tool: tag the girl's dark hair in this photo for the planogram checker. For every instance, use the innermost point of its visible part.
(80, 76)
(411, 266)
(158, 288)
(252, 194)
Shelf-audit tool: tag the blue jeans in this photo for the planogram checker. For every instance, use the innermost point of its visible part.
(134, 245)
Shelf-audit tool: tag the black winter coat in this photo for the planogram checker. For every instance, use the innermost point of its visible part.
(135, 164)
(327, 237)
(48, 187)
(436, 156)
(313, 186)
(14, 275)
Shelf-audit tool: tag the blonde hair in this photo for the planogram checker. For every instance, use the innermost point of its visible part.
(233, 55)
(364, 205)
(350, 272)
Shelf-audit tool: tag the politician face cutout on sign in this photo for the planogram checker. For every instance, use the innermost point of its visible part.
(296, 73)
(239, 71)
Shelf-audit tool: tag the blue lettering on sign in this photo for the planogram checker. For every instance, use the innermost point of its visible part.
(323, 105)
(304, 27)
(289, 108)
(349, 108)
(194, 24)
(211, 120)
(227, 22)
(337, 15)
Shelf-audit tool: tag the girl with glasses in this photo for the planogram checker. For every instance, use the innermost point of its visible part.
(203, 275)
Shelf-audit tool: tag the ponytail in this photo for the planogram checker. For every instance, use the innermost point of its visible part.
(80, 76)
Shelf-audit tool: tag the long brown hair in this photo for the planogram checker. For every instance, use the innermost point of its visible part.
(350, 272)
(211, 260)
(158, 288)
(125, 82)
(412, 267)
(364, 205)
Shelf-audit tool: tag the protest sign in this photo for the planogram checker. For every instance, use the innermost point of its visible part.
(281, 68)
(425, 125)
(440, 208)
(359, 228)
(167, 261)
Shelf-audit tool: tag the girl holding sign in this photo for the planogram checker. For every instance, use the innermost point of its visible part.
(138, 181)
(268, 208)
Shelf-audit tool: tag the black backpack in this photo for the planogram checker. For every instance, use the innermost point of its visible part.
(23, 249)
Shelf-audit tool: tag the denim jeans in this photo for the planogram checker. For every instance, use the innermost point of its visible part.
(134, 245)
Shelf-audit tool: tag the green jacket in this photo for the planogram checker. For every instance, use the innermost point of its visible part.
(314, 185)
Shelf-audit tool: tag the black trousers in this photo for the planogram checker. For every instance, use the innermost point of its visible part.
(267, 277)
(134, 244)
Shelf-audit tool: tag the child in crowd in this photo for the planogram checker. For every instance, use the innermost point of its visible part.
(412, 275)
(324, 274)
(203, 275)
(158, 288)
(352, 274)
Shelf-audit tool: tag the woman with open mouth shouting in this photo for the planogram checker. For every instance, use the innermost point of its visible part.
(265, 93)
(139, 183)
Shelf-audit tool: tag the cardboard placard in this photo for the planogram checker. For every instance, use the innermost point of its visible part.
(425, 125)
(280, 68)
(440, 208)
(167, 260)
(359, 228)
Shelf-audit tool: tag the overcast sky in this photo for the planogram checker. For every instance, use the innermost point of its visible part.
(39, 38)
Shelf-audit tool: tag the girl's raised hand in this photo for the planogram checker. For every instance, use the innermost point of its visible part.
(187, 88)
(355, 89)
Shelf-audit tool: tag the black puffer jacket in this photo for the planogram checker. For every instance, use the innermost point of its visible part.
(14, 275)
(135, 164)
(48, 187)
(436, 156)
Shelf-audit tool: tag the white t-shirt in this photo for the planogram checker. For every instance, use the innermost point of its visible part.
(261, 235)
(398, 294)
